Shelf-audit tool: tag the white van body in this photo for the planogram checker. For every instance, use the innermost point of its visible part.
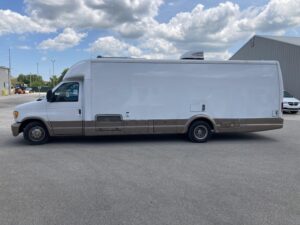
(137, 96)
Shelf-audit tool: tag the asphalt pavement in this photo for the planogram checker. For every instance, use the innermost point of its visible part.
(238, 179)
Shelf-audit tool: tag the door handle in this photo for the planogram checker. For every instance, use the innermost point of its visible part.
(79, 111)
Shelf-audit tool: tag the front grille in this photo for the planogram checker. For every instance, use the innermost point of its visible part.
(293, 103)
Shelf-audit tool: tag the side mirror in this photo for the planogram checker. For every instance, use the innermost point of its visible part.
(49, 96)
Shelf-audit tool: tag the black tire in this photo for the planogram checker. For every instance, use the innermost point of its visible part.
(294, 112)
(35, 133)
(199, 131)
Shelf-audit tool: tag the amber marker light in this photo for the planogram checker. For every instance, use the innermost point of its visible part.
(16, 114)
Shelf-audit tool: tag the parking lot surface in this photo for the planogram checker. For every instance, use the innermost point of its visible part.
(242, 179)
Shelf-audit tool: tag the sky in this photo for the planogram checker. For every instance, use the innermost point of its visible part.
(67, 31)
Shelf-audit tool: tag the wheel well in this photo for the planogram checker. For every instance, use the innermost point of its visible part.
(208, 121)
(26, 122)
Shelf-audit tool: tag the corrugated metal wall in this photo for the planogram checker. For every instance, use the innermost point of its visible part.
(260, 48)
(3, 78)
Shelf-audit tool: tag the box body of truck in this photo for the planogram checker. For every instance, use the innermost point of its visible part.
(135, 96)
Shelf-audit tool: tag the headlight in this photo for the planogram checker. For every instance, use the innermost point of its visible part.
(16, 114)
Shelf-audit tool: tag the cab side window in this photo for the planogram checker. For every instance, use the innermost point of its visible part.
(67, 92)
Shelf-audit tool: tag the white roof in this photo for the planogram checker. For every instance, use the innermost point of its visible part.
(82, 69)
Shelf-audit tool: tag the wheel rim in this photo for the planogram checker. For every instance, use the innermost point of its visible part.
(37, 133)
(200, 132)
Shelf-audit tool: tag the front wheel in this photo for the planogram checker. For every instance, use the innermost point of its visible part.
(199, 131)
(35, 133)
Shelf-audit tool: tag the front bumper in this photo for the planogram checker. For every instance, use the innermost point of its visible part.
(15, 128)
(290, 109)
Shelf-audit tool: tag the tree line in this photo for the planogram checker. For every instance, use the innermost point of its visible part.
(34, 80)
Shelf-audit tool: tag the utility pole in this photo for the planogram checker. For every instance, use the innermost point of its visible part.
(30, 79)
(53, 61)
(9, 71)
(37, 68)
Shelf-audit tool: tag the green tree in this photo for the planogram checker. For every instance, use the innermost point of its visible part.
(54, 80)
(23, 79)
(36, 80)
(14, 81)
(31, 79)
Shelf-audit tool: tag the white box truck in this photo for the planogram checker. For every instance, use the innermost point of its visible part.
(110, 96)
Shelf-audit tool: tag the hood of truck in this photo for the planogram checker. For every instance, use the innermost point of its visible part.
(32, 109)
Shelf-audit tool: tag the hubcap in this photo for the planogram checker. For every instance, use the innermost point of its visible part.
(37, 133)
(200, 132)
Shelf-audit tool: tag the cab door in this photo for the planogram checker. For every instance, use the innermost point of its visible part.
(64, 111)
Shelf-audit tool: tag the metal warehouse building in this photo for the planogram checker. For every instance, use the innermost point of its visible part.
(286, 50)
(3, 79)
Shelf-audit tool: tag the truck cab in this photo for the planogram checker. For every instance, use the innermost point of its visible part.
(60, 113)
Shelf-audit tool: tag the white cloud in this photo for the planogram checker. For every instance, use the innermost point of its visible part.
(136, 29)
(276, 15)
(67, 39)
(24, 47)
(217, 55)
(200, 29)
(15, 23)
(44, 58)
(110, 46)
(92, 13)
(160, 46)
(213, 30)
(154, 48)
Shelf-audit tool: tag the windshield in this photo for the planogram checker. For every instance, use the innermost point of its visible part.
(287, 95)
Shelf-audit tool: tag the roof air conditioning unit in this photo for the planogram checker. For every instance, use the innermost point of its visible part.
(193, 55)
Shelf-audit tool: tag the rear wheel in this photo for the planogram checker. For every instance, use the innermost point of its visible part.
(199, 131)
(35, 133)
